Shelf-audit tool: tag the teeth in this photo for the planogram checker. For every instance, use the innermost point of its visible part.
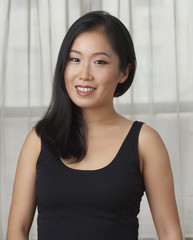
(85, 89)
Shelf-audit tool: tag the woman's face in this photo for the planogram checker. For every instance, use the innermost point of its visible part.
(92, 72)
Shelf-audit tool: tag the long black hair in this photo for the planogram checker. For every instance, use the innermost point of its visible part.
(62, 129)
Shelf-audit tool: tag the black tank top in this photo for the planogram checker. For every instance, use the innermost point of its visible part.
(100, 204)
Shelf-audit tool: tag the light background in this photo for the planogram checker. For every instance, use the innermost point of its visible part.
(161, 95)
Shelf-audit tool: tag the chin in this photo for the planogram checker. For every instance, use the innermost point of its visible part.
(81, 104)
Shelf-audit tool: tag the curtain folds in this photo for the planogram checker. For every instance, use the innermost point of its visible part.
(161, 95)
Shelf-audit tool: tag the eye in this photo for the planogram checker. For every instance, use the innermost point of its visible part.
(100, 62)
(74, 59)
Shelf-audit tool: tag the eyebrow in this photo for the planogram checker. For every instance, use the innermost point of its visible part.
(94, 54)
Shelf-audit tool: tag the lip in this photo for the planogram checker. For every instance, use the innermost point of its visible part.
(81, 93)
(87, 86)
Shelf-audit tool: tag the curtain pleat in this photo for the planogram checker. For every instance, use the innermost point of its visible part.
(40, 51)
(181, 199)
(3, 166)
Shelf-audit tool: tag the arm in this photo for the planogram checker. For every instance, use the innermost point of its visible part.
(23, 203)
(159, 184)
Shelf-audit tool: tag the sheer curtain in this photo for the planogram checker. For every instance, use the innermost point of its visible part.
(161, 95)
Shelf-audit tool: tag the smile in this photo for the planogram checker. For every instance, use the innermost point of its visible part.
(85, 89)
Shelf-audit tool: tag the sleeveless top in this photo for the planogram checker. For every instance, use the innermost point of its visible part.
(100, 204)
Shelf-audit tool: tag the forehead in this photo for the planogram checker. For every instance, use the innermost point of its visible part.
(95, 40)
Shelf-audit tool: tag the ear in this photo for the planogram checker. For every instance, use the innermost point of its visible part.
(125, 73)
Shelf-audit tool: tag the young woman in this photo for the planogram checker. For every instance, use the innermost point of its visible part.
(83, 165)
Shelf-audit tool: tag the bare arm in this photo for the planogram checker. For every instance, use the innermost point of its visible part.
(159, 184)
(23, 199)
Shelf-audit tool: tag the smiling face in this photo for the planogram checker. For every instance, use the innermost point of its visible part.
(92, 72)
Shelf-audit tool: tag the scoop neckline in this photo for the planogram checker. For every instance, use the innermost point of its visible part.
(111, 163)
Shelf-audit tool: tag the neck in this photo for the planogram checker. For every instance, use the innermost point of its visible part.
(98, 117)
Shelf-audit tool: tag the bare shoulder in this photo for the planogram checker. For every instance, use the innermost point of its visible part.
(32, 145)
(148, 133)
(151, 145)
(33, 137)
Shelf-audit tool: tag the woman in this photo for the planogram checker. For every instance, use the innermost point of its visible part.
(83, 165)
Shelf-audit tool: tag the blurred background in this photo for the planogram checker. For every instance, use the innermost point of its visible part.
(161, 95)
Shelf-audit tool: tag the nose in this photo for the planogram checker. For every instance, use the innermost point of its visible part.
(85, 72)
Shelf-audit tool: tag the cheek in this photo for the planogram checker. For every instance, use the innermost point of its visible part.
(68, 83)
(110, 79)
(68, 76)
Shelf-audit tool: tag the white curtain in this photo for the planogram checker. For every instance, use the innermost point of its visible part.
(161, 95)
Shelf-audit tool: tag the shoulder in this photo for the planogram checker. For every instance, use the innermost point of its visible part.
(34, 139)
(151, 145)
(149, 134)
(32, 145)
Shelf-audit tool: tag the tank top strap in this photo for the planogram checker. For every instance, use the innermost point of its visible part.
(132, 136)
(43, 156)
(43, 147)
(135, 130)
(130, 154)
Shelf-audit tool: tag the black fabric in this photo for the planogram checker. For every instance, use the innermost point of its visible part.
(98, 204)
